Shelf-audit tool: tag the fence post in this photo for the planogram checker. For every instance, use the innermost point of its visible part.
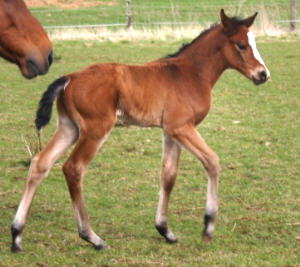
(128, 4)
(293, 15)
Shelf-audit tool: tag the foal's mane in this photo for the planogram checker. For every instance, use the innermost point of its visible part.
(184, 46)
(236, 21)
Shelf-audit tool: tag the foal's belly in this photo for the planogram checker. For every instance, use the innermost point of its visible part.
(138, 118)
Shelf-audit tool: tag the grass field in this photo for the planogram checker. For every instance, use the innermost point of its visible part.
(254, 130)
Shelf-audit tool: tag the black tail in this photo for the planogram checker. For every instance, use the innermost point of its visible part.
(43, 114)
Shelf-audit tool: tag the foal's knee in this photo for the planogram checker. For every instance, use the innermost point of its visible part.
(38, 169)
(73, 172)
(37, 164)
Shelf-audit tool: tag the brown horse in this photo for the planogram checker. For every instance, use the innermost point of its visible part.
(23, 40)
(173, 93)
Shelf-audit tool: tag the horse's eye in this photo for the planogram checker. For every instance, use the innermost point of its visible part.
(241, 46)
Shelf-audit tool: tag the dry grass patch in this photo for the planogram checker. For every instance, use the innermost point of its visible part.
(159, 33)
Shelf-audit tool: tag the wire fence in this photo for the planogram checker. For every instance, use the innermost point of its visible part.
(154, 15)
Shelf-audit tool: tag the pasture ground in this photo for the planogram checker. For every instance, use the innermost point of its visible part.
(254, 130)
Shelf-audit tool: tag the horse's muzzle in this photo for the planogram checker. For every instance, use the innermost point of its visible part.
(35, 67)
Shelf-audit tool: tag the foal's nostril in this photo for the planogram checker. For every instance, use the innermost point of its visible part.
(263, 76)
(50, 58)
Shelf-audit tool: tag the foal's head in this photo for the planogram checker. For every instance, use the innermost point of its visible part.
(23, 41)
(240, 48)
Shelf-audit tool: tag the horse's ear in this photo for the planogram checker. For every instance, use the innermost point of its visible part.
(226, 21)
(249, 21)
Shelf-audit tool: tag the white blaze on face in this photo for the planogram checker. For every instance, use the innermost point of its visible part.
(252, 43)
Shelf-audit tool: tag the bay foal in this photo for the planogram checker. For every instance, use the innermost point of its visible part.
(23, 40)
(173, 93)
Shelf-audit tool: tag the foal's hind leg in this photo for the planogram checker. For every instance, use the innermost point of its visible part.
(41, 164)
(171, 153)
(189, 138)
(74, 168)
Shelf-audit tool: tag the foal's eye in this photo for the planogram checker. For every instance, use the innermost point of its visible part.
(241, 46)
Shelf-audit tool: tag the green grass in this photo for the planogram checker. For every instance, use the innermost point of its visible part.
(259, 187)
(146, 12)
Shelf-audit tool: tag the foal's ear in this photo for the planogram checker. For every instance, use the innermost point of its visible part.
(226, 21)
(249, 21)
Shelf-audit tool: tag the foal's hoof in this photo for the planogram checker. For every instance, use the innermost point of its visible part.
(206, 238)
(166, 233)
(16, 239)
(101, 246)
(171, 238)
(15, 248)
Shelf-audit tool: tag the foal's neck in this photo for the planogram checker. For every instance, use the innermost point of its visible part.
(206, 57)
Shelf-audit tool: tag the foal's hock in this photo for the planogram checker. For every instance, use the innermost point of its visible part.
(173, 93)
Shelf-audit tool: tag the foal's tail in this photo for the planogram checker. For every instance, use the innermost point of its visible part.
(43, 114)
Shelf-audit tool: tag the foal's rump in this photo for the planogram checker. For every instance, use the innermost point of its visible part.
(92, 92)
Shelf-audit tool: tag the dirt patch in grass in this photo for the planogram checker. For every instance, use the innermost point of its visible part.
(67, 3)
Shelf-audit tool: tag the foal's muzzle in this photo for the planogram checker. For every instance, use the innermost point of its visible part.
(260, 77)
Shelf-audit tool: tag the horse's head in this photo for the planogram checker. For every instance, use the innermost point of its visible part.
(240, 48)
(23, 40)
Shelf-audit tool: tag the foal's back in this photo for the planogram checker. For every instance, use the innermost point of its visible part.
(147, 95)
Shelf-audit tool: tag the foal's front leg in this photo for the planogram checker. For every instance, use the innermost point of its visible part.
(171, 153)
(189, 138)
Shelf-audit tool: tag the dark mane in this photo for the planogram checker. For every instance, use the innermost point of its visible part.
(186, 45)
(235, 20)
